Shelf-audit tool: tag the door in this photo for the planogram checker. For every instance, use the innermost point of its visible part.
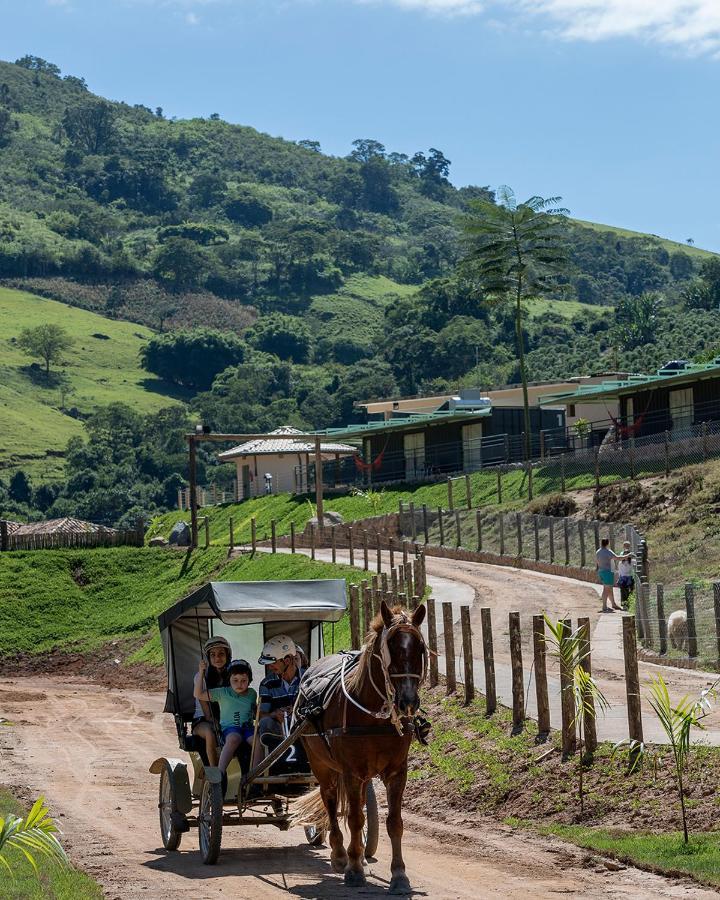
(414, 447)
(472, 447)
(245, 482)
(682, 412)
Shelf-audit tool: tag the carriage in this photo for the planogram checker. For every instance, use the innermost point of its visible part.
(247, 614)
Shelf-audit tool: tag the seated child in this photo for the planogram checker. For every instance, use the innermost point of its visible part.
(237, 705)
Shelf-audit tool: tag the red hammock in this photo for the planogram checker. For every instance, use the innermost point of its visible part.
(375, 465)
(628, 430)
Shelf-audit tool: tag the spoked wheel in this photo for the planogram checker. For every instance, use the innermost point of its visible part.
(315, 836)
(371, 831)
(210, 818)
(166, 804)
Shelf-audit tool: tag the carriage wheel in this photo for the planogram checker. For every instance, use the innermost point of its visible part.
(210, 818)
(315, 836)
(166, 804)
(371, 832)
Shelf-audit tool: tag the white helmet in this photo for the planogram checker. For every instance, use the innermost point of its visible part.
(277, 648)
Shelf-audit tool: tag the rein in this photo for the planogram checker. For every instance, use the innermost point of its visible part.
(389, 709)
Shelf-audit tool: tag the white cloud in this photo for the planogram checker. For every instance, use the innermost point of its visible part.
(192, 19)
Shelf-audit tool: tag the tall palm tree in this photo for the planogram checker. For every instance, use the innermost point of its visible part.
(515, 250)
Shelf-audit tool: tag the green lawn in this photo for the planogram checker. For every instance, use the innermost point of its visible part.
(98, 370)
(80, 600)
(539, 306)
(54, 882)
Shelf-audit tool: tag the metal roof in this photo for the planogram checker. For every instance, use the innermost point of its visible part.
(604, 390)
(407, 423)
(284, 443)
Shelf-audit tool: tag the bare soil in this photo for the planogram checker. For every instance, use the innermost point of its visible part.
(87, 748)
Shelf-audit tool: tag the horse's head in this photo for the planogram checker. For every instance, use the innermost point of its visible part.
(404, 655)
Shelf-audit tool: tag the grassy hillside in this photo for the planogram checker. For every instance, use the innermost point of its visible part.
(670, 246)
(102, 367)
(77, 601)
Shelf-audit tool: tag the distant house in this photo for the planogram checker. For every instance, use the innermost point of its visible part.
(678, 399)
(281, 462)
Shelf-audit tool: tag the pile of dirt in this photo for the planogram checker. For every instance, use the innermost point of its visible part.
(106, 665)
(485, 771)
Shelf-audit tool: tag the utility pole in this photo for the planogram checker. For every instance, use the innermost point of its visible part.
(192, 467)
(319, 483)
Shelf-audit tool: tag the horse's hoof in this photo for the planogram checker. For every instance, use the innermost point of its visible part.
(400, 884)
(355, 879)
(338, 864)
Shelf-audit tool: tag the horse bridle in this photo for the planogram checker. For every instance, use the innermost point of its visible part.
(389, 708)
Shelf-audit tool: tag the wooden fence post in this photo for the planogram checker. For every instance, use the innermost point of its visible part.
(632, 679)
(232, 538)
(366, 551)
(662, 621)
(351, 548)
(405, 552)
(333, 542)
(312, 540)
(589, 723)
(562, 473)
(413, 524)
(541, 685)
(596, 534)
(501, 533)
(253, 534)
(488, 660)
(499, 486)
(425, 522)
(518, 528)
(4, 542)
(581, 539)
(378, 551)
(432, 642)
(375, 591)
(691, 623)
(207, 532)
(451, 505)
(469, 678)
(417, 579)
(516, 665)
(641, 618)
(551, 538)
(354, 617)
(566, 537)
(478, 523)
(458, 529)
(449, 648)
(468, 492)
(367, 606)
(716, 602)
(440, 524)
(536, 537)
(292, 537)
(391, 548)
(567, 706)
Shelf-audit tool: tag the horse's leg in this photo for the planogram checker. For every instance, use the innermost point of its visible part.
(395, 785)
(356, 793)
(338, 856)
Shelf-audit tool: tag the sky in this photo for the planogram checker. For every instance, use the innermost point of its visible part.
(609, 104)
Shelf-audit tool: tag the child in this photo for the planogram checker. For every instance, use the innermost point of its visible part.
(237, 703)
(218, 653)
(626, 582)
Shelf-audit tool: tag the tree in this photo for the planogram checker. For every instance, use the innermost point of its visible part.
(6, 126)
(310, 145)
(285, 336)
(515, 250)
(192, 358)
(247, 209)
(681, 265)
(20, 489)
(48, 341)
(207, 190)
(37, 64)
(91, 126)
(366, 149)
(636, 318)
(180, 264)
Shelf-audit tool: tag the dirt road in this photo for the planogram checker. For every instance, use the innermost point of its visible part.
(87, 749)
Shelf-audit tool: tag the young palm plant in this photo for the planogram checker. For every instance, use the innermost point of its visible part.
(33, 836)
(515, 250)
(571, 650)
(677, 722)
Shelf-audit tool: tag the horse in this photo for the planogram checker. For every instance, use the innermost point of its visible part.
(350, 747)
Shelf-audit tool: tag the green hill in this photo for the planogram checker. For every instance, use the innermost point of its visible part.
(101, 368)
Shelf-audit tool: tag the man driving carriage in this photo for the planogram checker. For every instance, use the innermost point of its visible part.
(279, 689)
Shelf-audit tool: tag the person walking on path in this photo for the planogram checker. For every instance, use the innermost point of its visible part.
(604, 559)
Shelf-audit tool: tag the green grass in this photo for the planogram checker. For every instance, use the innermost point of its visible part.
(659, 852)
(538, 306)
(670, 246)
(54, 882)
(79, 600)
(98, 372)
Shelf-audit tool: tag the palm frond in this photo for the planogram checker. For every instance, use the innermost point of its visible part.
(32, 836)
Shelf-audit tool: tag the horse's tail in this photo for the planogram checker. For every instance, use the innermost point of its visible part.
(310, 808)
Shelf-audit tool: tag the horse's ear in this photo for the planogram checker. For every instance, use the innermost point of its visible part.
(418, 617)
(387, 616)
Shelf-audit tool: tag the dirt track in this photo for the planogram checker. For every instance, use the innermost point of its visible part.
(87, 749)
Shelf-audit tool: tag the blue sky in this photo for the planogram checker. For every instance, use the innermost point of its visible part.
(611, 104)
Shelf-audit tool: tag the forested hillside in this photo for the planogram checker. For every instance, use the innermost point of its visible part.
(283, 284)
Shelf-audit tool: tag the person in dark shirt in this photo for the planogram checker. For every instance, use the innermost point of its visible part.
(279, 689)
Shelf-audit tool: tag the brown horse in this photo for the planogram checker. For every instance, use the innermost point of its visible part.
(366, 731)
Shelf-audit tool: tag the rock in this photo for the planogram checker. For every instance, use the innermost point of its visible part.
(180, 534)
(612, 865)
(158, 542)
(329, 518)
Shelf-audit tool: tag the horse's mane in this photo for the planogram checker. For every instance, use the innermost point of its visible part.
(355, 680)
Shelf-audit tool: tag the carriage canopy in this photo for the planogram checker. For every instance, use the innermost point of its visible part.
(296, 608)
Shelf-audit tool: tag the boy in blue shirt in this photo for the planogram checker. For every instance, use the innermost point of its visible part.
(237, 706)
